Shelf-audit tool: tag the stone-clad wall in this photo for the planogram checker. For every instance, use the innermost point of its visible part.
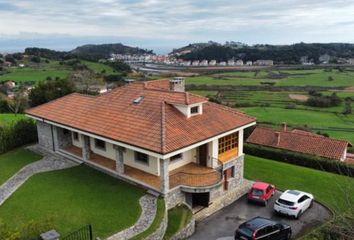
(174, 198)
(45, 139)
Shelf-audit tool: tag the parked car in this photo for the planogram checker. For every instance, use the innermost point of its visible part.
(293, 203)
(261, 192)
(263, 229)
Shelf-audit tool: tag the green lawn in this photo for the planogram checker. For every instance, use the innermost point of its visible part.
(178, 218)
(11, 162)
(98, 67)
(335, 191)
(6, 118)
(73, 198)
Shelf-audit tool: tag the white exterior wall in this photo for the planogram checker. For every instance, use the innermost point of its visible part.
(153, 167)
(129, 157)
(187, 157)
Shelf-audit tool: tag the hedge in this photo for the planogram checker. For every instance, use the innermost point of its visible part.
(300, 159)
(16, 134)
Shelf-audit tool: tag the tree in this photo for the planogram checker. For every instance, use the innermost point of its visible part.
(36, 59)
(330, 78)
(49, 90)
(348, 106)
(19, 102)
(120, 66)
(84, 80)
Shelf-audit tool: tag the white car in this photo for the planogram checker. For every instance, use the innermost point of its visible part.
(293, 203)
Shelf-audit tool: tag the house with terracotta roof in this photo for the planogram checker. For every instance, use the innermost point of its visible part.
(300, 141)
(152, 134)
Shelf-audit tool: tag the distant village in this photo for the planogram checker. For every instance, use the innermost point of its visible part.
(174, 60)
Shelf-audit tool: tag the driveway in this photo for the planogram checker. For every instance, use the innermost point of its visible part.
(223, 224)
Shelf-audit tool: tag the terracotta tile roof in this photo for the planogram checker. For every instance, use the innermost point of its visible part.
(299, 141)
(153, 124)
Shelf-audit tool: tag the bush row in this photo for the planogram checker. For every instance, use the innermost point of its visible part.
(17, 134)
(304, 160)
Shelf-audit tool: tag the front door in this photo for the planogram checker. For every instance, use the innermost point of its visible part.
(203, 155)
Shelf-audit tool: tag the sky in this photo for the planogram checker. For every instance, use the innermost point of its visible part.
(162, 25)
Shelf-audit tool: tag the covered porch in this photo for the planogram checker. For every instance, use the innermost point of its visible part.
(190, 175)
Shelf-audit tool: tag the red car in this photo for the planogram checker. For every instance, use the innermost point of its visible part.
(261, 192)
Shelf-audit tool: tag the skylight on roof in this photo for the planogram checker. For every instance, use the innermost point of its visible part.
(138, 100)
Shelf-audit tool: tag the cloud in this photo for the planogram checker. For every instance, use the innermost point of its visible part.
(252, 21)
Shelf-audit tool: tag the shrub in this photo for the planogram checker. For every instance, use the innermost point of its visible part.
(324, 101)
(16, 134)
(300, 159)
(290, 106)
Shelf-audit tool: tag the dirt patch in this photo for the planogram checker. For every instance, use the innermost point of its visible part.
(299, 97)
(349, 89)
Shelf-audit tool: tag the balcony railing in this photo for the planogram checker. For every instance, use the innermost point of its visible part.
(202, 179)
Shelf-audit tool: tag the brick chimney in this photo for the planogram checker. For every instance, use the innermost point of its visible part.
(284, 126)
(277, 134)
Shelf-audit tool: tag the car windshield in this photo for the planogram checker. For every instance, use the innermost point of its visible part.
(245, 231)
(285, 202)
(257, 192)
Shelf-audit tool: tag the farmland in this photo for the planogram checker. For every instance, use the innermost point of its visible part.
(41, 71)
(282, 100)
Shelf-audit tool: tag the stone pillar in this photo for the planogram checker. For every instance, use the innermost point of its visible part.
(240, 142)
(215, 153)
(164, 176)
(85, 140)
(56, 138)
(119, 159)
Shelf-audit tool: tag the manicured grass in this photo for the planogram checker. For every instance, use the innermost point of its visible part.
(160, 213)
(6, 118)
(335, 191)
(11, 162)
(178, 218)
(73, 198)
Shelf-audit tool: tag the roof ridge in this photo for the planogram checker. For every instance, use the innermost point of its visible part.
(187, 98)
(313, 135)
(163, 129)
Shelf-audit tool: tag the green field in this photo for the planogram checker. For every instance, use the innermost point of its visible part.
(39, 72)
(335, 191)
(273, 107)
(318, 77)
(73, 198)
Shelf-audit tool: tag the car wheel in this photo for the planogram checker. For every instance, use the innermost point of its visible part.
(298, 214)
(311, 203)
(288, 236)
(265, 203)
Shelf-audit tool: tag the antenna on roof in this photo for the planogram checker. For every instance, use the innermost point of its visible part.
(138, 100)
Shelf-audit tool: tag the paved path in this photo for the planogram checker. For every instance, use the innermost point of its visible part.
(49, 162)
(222, 225)
(148, 204)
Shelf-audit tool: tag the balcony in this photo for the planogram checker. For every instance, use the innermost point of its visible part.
(194, 176)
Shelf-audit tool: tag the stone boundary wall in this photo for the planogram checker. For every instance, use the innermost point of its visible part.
(186, 232)
(160, 231)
